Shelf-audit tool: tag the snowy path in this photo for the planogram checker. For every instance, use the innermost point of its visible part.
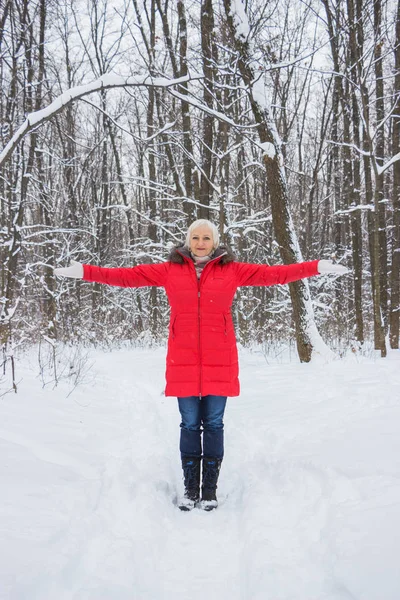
(309, 489)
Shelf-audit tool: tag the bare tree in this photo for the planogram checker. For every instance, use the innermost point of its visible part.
(395, 270)
(306, 334)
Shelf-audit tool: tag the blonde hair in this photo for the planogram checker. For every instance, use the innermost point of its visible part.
(203, 223)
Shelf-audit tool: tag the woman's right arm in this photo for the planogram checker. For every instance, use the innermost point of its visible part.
(139, 276)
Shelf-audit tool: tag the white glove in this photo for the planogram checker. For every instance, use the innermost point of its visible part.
(75, 270)
(327, 266)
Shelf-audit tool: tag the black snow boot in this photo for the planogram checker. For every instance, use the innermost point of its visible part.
(191, 476)
(211, 468)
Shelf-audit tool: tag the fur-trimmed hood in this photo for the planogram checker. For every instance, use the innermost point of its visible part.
(176, 254)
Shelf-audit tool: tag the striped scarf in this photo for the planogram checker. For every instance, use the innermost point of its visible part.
(199, 263)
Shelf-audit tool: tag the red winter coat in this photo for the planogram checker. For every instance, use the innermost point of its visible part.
(202, 355)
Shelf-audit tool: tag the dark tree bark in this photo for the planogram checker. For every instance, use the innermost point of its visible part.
(191, 191)
(191, 176)
(207, 42)
(395, 271)
(355, 203)
(380, 206)
(131, 230)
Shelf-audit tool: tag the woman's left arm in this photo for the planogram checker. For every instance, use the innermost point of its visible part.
(251, 274)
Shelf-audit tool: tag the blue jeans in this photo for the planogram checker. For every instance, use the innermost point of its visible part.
(208, 412)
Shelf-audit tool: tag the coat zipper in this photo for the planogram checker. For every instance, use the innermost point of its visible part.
(198, 308)
(199, 336)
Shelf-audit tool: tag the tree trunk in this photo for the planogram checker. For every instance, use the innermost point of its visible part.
(306, 333)
(207, 29)
(118, 167)
(355, 215)
(395, 272)
(380, 206)
(191, 180)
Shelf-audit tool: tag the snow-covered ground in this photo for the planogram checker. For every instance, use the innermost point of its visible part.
(309, 489)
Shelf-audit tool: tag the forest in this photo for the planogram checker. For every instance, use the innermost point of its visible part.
(124, 121)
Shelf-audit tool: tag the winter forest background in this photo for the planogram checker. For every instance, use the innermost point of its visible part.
(278, 121)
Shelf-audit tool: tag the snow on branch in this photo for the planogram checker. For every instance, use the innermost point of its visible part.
(380, 168)
(203, 107)
(106, 81)
(268, 149)
(240, 20)
(389, 163)
(354, 208)
(352, 146)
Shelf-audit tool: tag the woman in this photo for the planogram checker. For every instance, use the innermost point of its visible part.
(200, 279)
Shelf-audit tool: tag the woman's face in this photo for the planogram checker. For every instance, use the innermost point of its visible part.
(201, 241)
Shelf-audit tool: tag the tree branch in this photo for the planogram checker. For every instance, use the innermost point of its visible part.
(35, 119)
